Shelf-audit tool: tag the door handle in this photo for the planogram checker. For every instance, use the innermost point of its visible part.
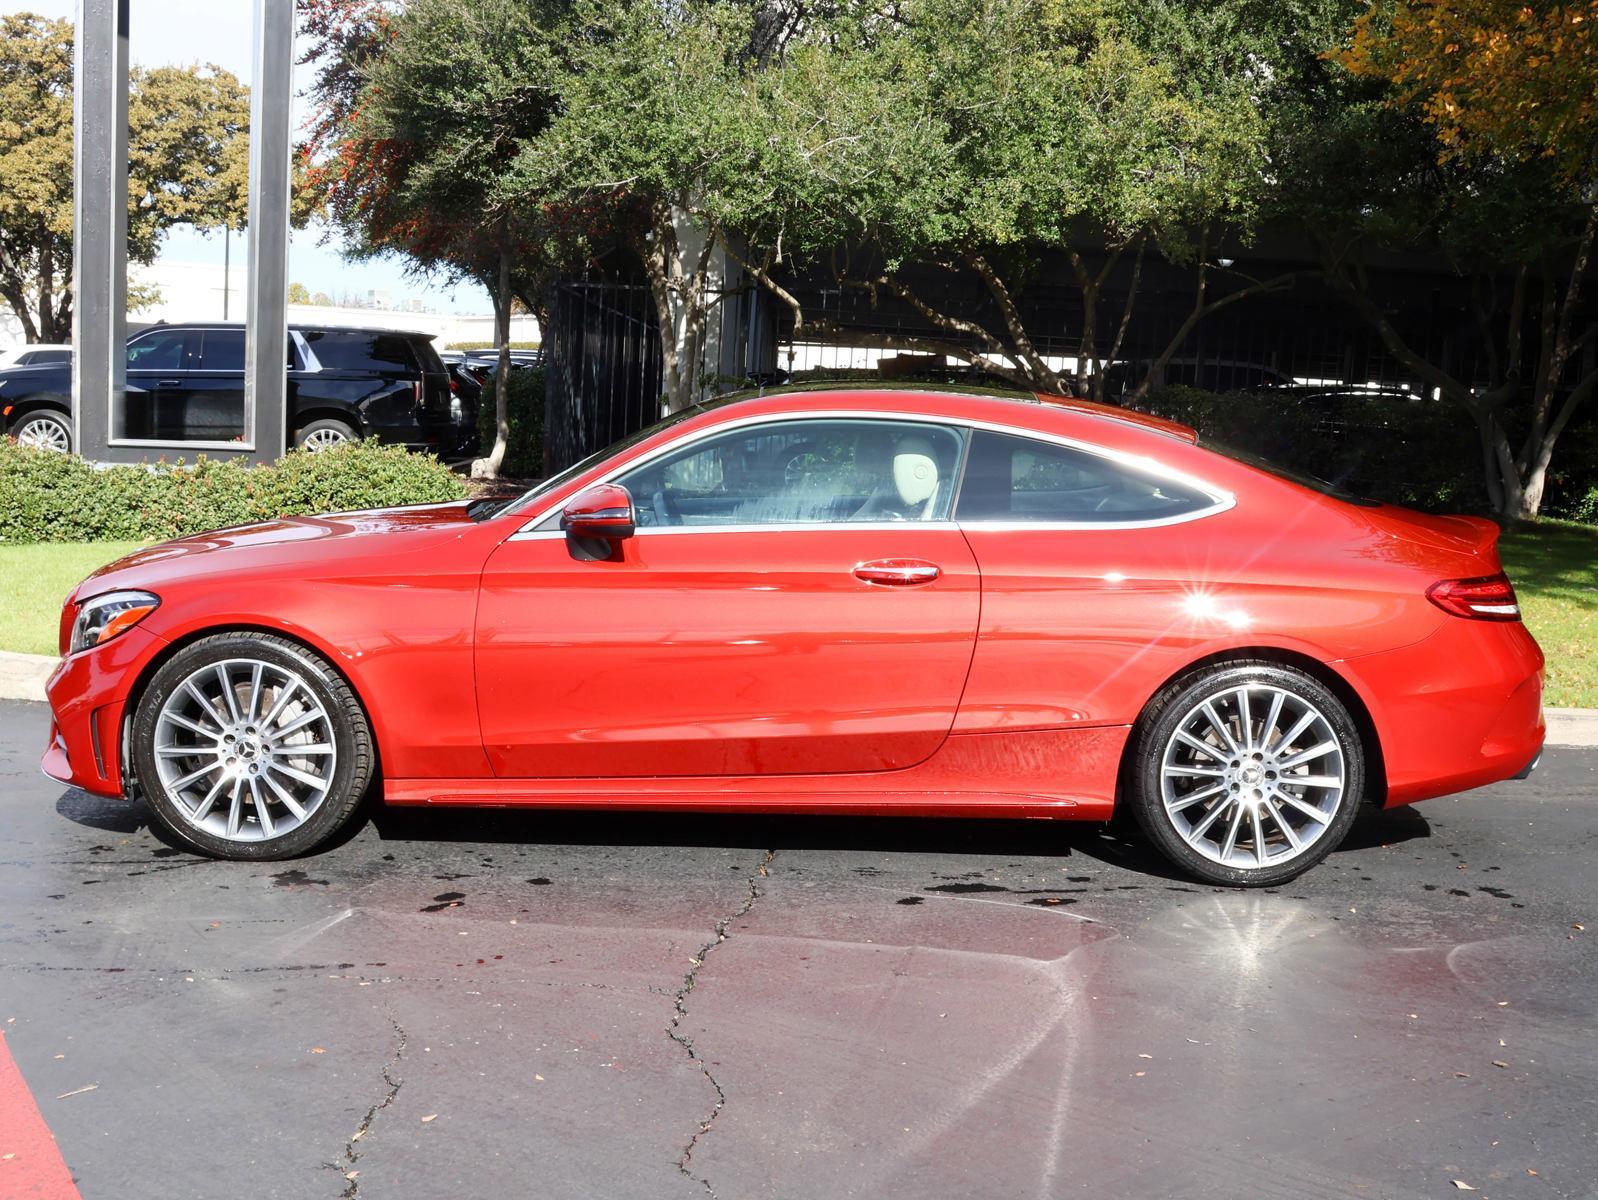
(898, 572)
(168, 383)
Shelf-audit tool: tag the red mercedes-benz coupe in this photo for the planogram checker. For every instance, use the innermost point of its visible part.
(847, 601)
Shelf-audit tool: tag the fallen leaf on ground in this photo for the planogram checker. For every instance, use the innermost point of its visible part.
(429, 1117)
(317, 1050)
(1463, 1186)
(1498, 1062)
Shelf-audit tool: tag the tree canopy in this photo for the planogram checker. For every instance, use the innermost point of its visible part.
(1010, 148)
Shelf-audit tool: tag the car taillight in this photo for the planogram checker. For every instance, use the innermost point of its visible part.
(1486, 598)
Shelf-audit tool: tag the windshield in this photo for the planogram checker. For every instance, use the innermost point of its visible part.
(593, 460)
(1303, 478)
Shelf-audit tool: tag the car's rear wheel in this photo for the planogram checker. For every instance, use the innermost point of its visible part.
(249, 746)
(44, 430)
(1246, 772)
(324, 434)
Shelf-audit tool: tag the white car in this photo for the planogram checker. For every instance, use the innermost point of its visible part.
(35, 356)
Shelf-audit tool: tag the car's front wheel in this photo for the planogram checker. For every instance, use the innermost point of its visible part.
(249, 746)
(1246, 772)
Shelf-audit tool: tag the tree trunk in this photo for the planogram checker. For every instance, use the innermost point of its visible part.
(488, 468)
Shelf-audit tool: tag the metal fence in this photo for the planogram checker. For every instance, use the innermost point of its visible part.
(606, 363)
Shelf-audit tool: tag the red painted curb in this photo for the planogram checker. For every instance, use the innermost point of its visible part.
(31, 1166)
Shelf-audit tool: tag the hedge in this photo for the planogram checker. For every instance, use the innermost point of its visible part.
(48, 497)
(524, 454)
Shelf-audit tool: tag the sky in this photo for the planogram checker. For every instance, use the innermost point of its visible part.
(180, 32)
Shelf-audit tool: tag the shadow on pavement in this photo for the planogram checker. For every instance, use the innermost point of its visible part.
(1111, 844)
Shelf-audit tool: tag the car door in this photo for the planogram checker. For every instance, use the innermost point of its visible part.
(158, 364)
(795, 600)
(375, 372)
(214, 390)
(1088, 564)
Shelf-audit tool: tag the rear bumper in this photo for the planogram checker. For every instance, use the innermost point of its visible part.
(88, 695)
(1459, 710)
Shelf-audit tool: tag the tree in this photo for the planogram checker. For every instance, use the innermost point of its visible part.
(187, 157)
(649, 97)
(1498, 105)
(994, 141)
(299, 294)
(418, 114)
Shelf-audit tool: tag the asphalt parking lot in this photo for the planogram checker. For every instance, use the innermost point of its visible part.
(523, 1004)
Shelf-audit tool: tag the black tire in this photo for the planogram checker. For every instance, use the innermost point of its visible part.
(1175, 706)
(59, 427)
(317, 435)
(354, 763)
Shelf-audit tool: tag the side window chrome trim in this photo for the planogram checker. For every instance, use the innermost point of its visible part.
(999, 525)
(1142, 462)
(533, 535)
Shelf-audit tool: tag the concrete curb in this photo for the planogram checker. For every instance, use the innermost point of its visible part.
(22, 677)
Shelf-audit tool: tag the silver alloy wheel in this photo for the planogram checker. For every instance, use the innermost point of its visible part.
(245, 750)
(324, 439)
(1253, 776)
(43, 433)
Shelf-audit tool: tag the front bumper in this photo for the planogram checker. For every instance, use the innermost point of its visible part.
(88, 696)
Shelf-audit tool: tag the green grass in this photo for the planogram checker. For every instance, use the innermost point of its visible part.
(34, 580)
(1554, 565)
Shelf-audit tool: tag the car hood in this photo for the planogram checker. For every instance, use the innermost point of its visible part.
(289, 542)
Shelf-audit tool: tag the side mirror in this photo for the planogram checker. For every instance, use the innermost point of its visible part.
(605, 511)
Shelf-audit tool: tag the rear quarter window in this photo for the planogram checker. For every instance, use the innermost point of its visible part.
(1021, 480)
(386, 353)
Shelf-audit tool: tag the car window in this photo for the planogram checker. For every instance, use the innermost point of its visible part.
(163, 350)
(428, 357)
(34, 358)
(223, 350)
(1010, 478)
(802, 472)
(345, 350)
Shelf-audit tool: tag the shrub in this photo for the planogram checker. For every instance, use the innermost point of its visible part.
(46, 497)
(524, 453)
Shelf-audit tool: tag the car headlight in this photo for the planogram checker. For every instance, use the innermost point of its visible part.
(101, 618)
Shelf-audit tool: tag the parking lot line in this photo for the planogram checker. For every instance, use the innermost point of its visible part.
(31, 1167)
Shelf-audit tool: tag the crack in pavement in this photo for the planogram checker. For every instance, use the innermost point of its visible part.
(680, 1004)
(351, 1154)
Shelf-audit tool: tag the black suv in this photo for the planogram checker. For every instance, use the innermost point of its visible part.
(186, 384)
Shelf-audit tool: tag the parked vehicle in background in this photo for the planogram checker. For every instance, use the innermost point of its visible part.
(186, 383)
(36, 355)
(1208, 374)
(466, 394)
(830, 601)
(520, 360)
